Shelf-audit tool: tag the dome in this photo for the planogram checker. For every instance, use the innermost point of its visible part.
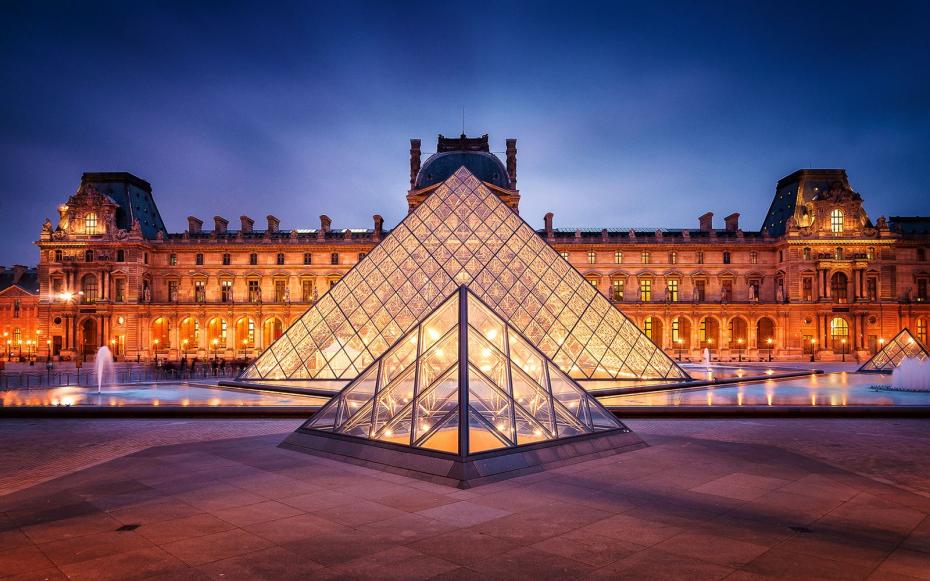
(487, 167)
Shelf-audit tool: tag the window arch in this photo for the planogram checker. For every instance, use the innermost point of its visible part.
(271, 330)
(245, 333)
(189, 334)
(839, 333)
(161, 338)
(839, 287)
(836, 221)
(90, 223)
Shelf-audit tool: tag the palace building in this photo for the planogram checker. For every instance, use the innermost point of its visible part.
(820, 277)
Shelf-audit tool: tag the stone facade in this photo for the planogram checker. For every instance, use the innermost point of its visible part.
(819, 275)
(22, 334)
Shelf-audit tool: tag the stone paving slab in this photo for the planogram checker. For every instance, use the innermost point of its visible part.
(706, 500)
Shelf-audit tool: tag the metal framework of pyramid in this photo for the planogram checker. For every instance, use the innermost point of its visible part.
(463, 398)
(463, 234)
(903, 346)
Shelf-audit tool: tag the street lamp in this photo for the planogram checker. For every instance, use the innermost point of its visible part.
(813, 348)
(245, 344)
(739, 349)
(156, 341)
(769, 341)
(216, 347)
(679, 341)
(48, 351)
(843, 343)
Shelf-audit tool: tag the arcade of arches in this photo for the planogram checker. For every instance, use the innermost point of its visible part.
(217, 335)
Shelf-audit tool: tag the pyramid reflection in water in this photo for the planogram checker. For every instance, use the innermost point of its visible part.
(463, 234)
(463, 398)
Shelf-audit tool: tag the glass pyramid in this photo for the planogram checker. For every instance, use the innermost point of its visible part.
(463, 382)
(463, 234)
(895, 351)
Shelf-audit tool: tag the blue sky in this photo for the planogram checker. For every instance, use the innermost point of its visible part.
(639, 114)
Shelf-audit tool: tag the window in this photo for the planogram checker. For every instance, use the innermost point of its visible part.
(17, 306)
(279, 259)
(645, 290)
(699, 257)
(807, 294)
(172, 291)
(145, 257)
(838, 253)
(672, 291)
(700, 290)
(361, 256)
(644, 257)
(593, 280)
(673, 258)
(807, 253)
(592, 257)
(253, 259)
(198, 260)
(870, 253)
(121, 256)
(616, 287)
(754, 257)
(781, 256)
(89, 288)
(676, 332)
(872, 288)
(922, 255)
(647, 327)
(922, 330)
(922, 290)
(58, 255)
(726, 257)
(89, 256)
(227, 259)
(839, 333)
(280, 289)
(255, 292)
(172, 259)
(200, 291)
(334, 258)
(726, 291)
(226, 291)
(308, 258)
(306, 291)
(57, 287)
(564, 255)
(836, 221)
(90, 223)
(120, 284)
(618, 257)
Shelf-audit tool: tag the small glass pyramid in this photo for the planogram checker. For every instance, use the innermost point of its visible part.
(890, 356)
(463, 234)
(463, 382)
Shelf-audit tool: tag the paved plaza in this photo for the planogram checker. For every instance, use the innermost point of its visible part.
(736, 499)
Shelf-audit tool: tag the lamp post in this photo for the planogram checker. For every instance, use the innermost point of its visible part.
(739, 349)
(216, 348)
(155, 342)
(679, 341)
(769, 341)
(245, 344)
(813, 348)
(48, 351)
(843, 348)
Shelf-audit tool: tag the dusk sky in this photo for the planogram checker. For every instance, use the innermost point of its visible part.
(642, 114)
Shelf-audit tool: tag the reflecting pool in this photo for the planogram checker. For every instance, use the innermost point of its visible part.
(180, 394)
(829, 389)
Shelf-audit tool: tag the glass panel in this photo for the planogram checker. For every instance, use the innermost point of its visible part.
(325, 419)
(570, 396)
(359, 424)
(446, 437)
(490, 327)
(399, 358)
(397, 396)
(528, 431)
(358, 394)
(436, 402)
(488, 359)
(491, 403)
(480, 437)
(398, 429)
(443, 355)
(439, 323)
(532, 398)
(526, 358)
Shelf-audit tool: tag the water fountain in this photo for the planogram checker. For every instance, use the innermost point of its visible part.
(911, 375)
(710, 373)
(103, 365)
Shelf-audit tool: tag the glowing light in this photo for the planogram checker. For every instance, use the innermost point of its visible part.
(491, 334)
(388, 433)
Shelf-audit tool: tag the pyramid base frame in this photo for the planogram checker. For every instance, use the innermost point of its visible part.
(467, 471)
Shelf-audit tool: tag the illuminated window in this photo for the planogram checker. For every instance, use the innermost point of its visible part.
(676, 329)
(673, 258)
(226, 291)
(754, 257)
(618, 257)
(644, 257)
(673, 291)
(616, 286)
(807, 253)
(838, 253)
(200, 291)
(592, 257)
(922, 330)
(90, 223)
(255, 292)
(593, 280)
(280, 287)
(645, 290)
(172, 259)
(647, 327)
(306, 290)
(839, 333)
(699, 257)
(836, 221)
(870, 253)
(308, 258)
(564, 255)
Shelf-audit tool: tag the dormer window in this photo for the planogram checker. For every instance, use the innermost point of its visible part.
(90, 223)
(836, 221)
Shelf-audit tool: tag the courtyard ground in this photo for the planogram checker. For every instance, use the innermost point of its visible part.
(198, 499)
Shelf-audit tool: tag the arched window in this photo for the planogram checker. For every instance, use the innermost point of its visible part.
(271, 330)
(245, 333)
(839, 333)
(765, 333)
(839, 285)
(681, 333)
(647, 327)
(216, 333)
(89, 288)
(161, 338)
(836, 221)
(189, 334)
(738, 333)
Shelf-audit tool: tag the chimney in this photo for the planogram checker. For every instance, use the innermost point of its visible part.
(379, 227)
(273, 223)
(247, 223)
(732, 222)
(324, 227)
(512, 162)
(220, 224)
(194, 224)
(414, 161)
(706, 222)
(548, 220)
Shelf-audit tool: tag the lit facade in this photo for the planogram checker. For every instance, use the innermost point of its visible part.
(820, 275)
